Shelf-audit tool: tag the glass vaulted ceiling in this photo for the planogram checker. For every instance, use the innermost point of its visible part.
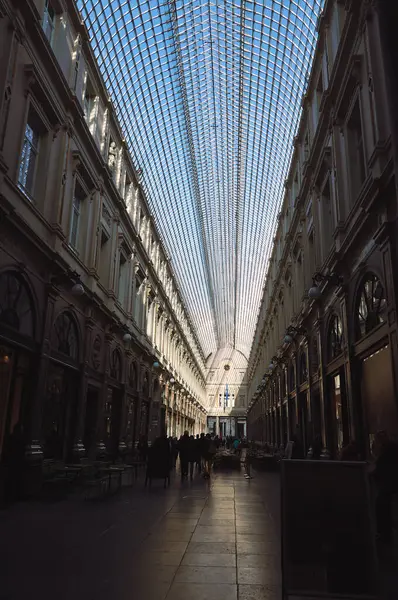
(208, 94)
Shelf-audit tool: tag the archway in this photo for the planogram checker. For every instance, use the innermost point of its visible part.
(61, 402)
(17, 348)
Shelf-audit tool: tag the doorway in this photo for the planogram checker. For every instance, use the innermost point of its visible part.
(59, 415)
(338, 412)
(15, 392)
(112, 420)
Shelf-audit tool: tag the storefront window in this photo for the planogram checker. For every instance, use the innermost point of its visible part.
(314, 356)
(116, 365)
(145, 385)
(335, 337)
(66, 340)
(303, 367)
(371, 306)
(16, 309)
(338, 411)
(291, 378)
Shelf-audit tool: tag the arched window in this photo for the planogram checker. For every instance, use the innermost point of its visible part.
(303, 370)
(16, 306)
(292, 383)
(371, 306)
(145, 385)
(335, 337)
(133, 375)
(116, 365)
(283, 383)
(65, 336)
(314, 355)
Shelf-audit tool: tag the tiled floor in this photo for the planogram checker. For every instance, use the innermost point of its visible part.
(194, 541)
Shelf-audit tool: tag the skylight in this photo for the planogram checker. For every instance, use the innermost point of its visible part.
(208, 94)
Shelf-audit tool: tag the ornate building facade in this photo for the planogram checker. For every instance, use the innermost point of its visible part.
(324, 361)
(96, 347)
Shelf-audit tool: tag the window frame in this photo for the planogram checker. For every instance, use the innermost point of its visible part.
(48, 4)
(77, 181)
(44, 129)
(354, 101)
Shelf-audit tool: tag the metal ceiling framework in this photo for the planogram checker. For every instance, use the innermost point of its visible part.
(208, 94)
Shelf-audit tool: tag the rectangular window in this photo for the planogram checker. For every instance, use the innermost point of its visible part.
(104, 258)
(327, 219)
(122, 279)
(49, 21)
(78, 198)
(30, 152)
(356, 152)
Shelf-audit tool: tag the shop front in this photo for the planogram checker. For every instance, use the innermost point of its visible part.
(374, 362)
(18, 355)
(60, 410)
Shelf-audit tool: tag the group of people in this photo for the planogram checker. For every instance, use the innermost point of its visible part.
(194, 452)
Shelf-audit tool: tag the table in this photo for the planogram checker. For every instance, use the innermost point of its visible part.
(110, 471)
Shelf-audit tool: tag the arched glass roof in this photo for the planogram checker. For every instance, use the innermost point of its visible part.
(208, 93)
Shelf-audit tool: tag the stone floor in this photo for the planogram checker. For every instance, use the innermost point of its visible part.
(193, 541)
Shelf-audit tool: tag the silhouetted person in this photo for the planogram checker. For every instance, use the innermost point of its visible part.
(198, 453)
(192, 455)
(184, 447)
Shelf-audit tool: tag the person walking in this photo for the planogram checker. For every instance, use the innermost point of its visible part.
(210, 453)
(184, 447)
(198, 454)
(191, 455)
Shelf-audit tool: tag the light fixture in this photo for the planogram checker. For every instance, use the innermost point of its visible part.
(292, 331)
(172, 380)
(127, 338)
(156, 364)
(315, 291)
(78, 289)
(271, 366)
(4, 357)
